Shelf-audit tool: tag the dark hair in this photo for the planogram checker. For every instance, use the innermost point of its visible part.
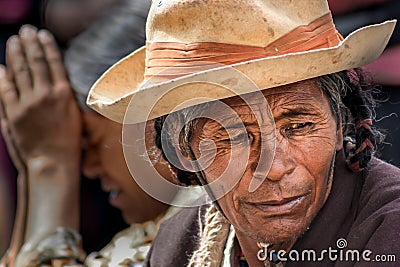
(115, 35)
(357, 108)
(350, 98)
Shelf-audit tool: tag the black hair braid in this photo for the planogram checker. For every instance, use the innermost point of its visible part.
(360, 147)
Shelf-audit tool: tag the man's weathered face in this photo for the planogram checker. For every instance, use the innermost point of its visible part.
(299, 180)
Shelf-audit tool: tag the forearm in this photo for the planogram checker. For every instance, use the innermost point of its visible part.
(53, 196)
(44, 124)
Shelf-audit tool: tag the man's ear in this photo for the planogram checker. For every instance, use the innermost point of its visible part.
(339, 135)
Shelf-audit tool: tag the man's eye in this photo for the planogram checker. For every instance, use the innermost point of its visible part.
(298, 128)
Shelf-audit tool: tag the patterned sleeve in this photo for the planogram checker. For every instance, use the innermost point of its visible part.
(60, 248)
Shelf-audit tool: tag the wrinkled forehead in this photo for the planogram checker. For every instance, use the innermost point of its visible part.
(305, 94)
(278, 95)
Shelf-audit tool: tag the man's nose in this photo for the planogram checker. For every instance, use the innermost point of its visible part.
(91, 166)
(273, 163)
(282, 163)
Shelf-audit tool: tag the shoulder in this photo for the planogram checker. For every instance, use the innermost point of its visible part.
(380, 194)
(177, 238)
(381, 183)
(378, 166)
(376, 225)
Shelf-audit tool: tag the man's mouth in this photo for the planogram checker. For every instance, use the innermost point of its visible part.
(279, 206)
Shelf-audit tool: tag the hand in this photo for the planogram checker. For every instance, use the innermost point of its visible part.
(44, 125)
(42, 115)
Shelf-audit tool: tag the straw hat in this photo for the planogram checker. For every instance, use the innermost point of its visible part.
(271, 42)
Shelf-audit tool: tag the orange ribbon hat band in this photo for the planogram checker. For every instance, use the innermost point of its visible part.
(168, 60)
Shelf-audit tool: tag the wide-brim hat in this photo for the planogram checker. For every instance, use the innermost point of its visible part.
(270, 42)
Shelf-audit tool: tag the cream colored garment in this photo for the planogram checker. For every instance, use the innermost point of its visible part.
(128, 248)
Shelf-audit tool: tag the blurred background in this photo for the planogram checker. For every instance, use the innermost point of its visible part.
(67, 18)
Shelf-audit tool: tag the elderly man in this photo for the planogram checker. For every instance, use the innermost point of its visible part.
(268, 113)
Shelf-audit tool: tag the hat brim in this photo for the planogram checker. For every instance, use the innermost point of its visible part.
(113, 91)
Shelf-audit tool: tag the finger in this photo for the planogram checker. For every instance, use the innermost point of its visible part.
(18, 66)
(36, 59)
(53, 57)
(8, 92)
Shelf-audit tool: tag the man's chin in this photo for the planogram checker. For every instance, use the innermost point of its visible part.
(277, 232)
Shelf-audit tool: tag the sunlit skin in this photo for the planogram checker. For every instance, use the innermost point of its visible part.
(300, 179)
(104, 159)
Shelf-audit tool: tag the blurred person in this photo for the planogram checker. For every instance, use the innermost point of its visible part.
(46, 125)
